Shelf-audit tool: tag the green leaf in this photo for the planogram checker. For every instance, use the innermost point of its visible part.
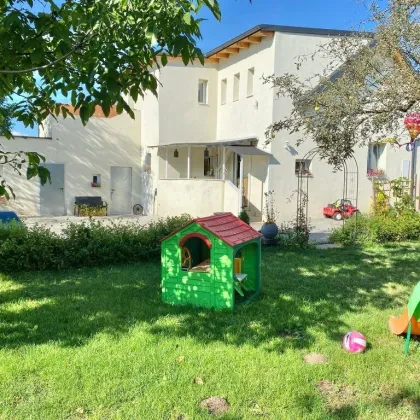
(185, 56)
(84, 114)
(44, 175)
(164, 59)
(106, 106)
(31, 171)
(187, 18)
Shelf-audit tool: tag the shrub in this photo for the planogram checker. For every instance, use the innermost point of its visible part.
(244, 216)
(85, 210)
(381, 228)
(83, 244)
(355, 230)
(292, 235)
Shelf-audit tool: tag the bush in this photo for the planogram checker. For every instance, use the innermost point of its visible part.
(381, 228)
(85, 244)
(88, 211)
(293, 236)
(244, 216)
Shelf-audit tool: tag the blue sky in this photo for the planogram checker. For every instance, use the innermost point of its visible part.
(240, 15)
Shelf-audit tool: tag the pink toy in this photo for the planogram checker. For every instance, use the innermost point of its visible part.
(354, 342)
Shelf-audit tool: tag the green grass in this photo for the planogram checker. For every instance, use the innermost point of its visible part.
(98, 343)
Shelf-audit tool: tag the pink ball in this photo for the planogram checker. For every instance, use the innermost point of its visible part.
(354, 342)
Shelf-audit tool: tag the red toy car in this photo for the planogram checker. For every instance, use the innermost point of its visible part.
(339, 209)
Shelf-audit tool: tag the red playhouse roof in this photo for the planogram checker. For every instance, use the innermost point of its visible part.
(227, 227)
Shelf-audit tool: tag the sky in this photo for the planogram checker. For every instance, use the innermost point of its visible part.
(241, 15)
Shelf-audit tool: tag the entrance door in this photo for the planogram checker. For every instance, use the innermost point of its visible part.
(51, 196)
(120, 190)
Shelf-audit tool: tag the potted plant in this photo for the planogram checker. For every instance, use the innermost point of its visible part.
(269, 228)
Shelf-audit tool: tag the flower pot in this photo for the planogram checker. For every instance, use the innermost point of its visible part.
(269, 230)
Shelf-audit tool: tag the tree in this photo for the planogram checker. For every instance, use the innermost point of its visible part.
(95, 52)
(6, 119)
(370, 82)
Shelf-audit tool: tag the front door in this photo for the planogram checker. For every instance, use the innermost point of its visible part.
(52, 194)
(120, 190)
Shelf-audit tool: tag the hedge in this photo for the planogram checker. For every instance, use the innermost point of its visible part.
(389, 227)
(85, 244)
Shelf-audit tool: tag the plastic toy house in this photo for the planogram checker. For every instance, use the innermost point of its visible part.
(212, 262)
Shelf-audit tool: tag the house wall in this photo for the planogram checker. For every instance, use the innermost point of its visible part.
(84, 151)
(197, 197)
(248, 116)
(325, 185)
(185, 120)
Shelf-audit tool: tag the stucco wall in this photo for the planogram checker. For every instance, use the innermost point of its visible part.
(198, 197)
(84, 151)
(231, 198)
(185, 120)
(248, 116)
(325, 185)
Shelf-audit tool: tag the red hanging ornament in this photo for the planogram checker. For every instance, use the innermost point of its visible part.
(412, 123)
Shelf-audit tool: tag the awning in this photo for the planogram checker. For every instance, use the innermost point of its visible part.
(248, 151)
(219, 143)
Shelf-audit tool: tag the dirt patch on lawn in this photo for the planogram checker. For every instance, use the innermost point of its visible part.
(215, 405)
(337, 396)
(316, 359)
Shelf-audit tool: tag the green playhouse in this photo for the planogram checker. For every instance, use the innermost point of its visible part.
(212, 262)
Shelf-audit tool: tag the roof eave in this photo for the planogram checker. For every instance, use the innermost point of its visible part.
(286, 29)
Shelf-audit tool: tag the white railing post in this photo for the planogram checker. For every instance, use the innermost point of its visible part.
(166, 163)
(189, 163)
(241, 181)
(224, 163)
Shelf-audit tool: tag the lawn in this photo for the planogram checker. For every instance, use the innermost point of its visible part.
(98, 343)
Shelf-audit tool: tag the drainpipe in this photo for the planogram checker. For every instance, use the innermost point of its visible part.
(241, 181)
(413, 172)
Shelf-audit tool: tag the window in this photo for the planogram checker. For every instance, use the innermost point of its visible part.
(96, 181)
(223, 91)
(195, 253)
(303, 166)
(236, 82)
(250, 85)
(202, 92)
(405, 170)
(376, 159)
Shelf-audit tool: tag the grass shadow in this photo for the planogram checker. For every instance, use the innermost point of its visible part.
(303, 291)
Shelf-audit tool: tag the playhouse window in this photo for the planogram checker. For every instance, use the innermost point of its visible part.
(195, 256)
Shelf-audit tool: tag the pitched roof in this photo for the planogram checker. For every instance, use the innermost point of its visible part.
(227, 227)
(264, 30)
(99, 113)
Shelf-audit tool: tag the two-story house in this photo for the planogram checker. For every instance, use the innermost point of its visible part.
(199, 147)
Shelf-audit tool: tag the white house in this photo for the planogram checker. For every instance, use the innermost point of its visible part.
(200, 147)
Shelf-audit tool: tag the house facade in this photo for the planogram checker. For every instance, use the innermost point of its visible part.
(101, 159)
(200, 147)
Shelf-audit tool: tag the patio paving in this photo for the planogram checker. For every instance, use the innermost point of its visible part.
(321, 229)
